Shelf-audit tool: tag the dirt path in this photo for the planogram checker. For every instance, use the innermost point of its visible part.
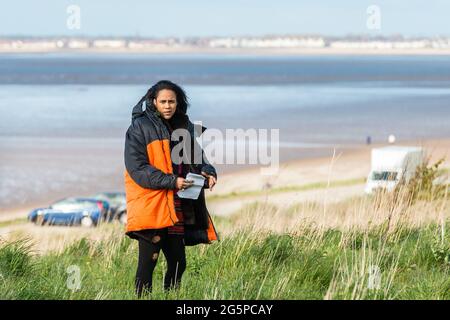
(227, 206)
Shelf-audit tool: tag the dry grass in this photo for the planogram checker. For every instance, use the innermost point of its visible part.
(368, 247)
(361, 213)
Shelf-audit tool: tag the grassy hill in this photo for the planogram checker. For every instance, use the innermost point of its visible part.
(385, 246)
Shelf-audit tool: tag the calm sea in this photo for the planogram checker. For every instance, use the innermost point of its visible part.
(50, 102)
(326, 99)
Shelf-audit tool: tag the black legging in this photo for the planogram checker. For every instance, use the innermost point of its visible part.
(150, 245)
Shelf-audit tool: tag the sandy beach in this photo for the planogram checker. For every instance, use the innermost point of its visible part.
(319, 176)
(326, 181)
(332, 178)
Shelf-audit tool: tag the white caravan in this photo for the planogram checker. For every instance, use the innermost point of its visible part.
(392, 164)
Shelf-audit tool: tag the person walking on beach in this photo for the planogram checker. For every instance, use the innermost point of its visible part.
(156, 217)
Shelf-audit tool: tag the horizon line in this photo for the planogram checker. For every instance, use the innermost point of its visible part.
(137, 36)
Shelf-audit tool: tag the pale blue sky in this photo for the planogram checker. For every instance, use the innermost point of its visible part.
(183, 18)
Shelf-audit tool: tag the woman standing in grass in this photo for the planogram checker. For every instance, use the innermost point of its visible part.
(156, 216)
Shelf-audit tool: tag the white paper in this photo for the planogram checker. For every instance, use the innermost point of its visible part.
(193, 191)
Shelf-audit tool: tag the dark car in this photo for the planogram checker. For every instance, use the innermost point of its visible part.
(118, 205)
(71, 211)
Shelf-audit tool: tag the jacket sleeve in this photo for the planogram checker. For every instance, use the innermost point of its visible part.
(138, 166)
(207, 166)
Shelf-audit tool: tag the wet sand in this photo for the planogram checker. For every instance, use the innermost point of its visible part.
(93, 166)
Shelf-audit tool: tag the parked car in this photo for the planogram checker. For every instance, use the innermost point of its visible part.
(71, 211)
(83, 202)
(118, 205)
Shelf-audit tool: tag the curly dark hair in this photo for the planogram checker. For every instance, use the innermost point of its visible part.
(180, 118)
(182, 100)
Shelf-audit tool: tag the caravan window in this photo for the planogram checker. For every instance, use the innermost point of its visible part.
(384, 175)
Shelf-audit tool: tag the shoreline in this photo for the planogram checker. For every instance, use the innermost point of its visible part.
(239, 51)
(352, 151)
(348, 164)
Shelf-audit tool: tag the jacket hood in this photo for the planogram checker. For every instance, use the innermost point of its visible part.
(145, 107)
(139, 109)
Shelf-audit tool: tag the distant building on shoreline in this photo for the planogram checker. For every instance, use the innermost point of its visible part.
(26, 44)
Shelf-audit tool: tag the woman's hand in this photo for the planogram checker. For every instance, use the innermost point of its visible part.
(211, 180)
(182, 183)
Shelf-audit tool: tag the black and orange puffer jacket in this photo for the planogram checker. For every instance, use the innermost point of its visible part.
(150, 182)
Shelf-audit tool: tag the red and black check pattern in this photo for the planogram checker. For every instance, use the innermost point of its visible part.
(178, 228)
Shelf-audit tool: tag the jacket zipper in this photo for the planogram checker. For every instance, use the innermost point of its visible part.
(161, 125)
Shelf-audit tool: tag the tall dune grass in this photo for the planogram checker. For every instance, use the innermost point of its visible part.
(384, 246)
